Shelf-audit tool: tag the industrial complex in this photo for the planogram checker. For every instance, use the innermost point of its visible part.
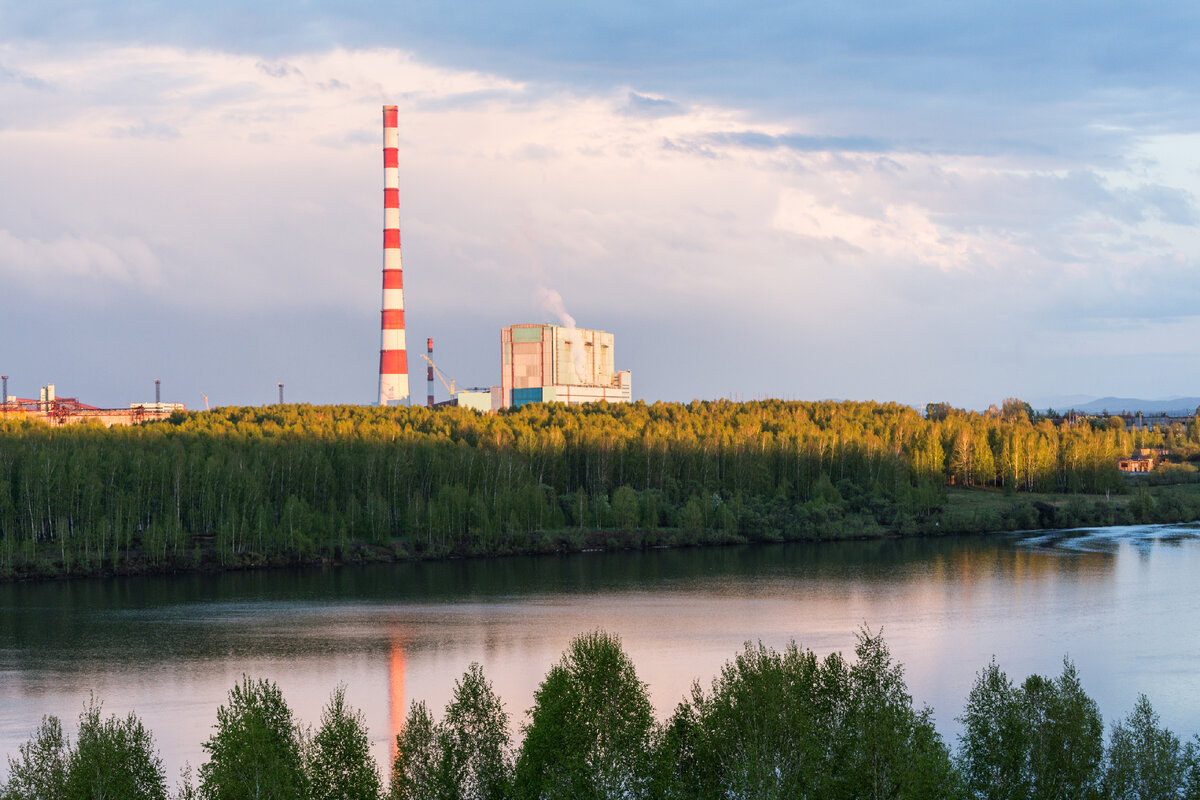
(539, 363)
(55, 410)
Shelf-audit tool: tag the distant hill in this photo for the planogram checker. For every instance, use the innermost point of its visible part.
(1173, 406)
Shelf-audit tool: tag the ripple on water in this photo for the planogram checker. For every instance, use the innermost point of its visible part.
(1108, 540)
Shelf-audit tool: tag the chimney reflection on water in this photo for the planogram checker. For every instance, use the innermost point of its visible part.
(395, 693)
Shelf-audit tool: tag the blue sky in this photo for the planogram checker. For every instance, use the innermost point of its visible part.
(936, 201)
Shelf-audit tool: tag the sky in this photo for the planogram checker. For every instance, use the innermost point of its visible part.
(931, 201)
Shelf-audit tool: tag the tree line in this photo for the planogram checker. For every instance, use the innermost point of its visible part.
(245, 486)
(773, 724)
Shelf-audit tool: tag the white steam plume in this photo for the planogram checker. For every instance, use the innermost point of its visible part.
(552, 302)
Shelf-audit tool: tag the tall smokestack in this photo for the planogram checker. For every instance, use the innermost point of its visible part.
(429, 373)
(393, 355)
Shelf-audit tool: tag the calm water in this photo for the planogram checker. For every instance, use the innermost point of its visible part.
(1124, 603)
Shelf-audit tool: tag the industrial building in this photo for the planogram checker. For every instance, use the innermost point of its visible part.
(54, 410)
(482, 400)
(539, 362)
(555, 363)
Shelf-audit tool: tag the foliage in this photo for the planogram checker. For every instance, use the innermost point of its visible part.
(1145, 762)
(1067, 737)
(774, 725)
(338, 762)
(114, 758)
(248, 486)
(416, 770)
(895, 750)
(111, 758)
(590, 731)
(782, 725)
(764, 731)
(994, 745)
(475, 740)
(466, 756)
(40, 770)
(256, 749)
(1043, 740)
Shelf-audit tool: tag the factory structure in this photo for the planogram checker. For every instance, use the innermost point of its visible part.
(542, 363)
(557, 364)
(539, 363)
(52, 409)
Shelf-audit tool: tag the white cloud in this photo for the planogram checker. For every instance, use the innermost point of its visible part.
(902, 233)
(70, 265)
(211, 181)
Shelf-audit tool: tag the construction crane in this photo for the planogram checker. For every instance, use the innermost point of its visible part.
(448, 384)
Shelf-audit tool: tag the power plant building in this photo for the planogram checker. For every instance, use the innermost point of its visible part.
(554, 363)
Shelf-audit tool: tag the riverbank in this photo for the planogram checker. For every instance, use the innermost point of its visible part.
(256, 487)
(962, 511)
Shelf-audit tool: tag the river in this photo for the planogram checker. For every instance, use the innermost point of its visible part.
(1123, 603)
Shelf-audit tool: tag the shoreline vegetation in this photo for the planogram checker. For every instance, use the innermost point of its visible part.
(772, 724)
(250, 487)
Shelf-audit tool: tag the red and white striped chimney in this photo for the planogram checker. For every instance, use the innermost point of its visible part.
(429, 374)
(393, 355)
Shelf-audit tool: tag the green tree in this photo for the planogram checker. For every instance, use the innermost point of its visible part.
(40, 770)
(416, 768)
(1191, 783)
(260, 486)
(1145, 762)
(994, 744)
(256, 750)
(1016, 410)
(764, 731)
(692, 518)
(339, 765)
(935, 412)
(113, 758)
(893, 749)
(590, 731)
(474, 740)
(186, 789)
(983, 463)
(625, 507)
(784, 725)
(466, 756)
(1066, 737)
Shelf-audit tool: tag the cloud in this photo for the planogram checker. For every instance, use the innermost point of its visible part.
(201, 182)
(145, 129)
(757, 140)
(73, 266)
(900, 233)
(641, 105)
(971, 78)
(24, 79)
(279, 69)
(1170, 204)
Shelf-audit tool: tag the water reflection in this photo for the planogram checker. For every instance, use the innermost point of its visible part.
(396, 705)
(172, 647)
